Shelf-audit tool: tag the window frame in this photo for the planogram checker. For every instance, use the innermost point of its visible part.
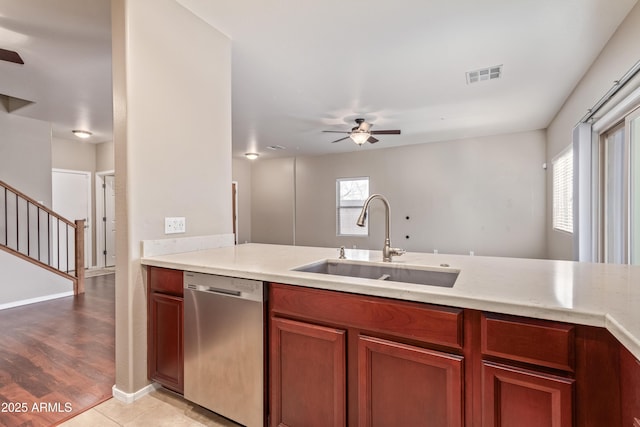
(562, 198)
(340, 207)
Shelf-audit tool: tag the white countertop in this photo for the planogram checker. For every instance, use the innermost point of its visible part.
(603, 295)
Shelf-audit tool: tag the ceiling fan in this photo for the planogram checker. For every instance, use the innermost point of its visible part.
(362, 133)
(10, 56)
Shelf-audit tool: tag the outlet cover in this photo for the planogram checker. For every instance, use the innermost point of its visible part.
(174, 225)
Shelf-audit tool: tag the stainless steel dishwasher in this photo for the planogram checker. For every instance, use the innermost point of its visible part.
(224, 346)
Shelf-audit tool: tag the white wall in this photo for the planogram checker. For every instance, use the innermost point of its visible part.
(25, 155)
(172, 137)
(620, 53)
(485, 195)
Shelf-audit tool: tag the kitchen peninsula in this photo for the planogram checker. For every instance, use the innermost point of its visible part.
(536, 329)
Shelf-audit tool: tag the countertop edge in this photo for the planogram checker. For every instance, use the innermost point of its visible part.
(361, 286)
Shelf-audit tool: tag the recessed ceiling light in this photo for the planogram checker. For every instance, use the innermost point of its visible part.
(489, 73)
(251, 156)
(84, 134)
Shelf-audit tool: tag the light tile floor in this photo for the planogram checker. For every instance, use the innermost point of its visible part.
(158, 408)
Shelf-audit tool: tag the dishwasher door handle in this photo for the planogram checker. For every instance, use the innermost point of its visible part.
(213, 290)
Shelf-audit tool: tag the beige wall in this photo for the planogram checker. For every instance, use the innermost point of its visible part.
(272, 201)
(104, 157)
(73, 155)
(25, 155)
(485, 195)
(620, 53)
(172, 136)
(83, 156)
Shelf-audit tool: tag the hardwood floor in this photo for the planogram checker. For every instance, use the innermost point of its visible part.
(57, 358)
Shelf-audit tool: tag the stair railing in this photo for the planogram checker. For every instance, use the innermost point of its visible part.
(35, 233)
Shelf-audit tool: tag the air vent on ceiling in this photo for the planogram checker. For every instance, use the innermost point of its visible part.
(276, 147)
(490, 73)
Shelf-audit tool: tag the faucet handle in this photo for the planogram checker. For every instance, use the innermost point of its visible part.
(397, 251)
(341, 256)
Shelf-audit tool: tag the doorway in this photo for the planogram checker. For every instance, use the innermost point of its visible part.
(106, 219)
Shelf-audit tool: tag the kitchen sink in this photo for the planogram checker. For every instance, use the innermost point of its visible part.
(431, 276)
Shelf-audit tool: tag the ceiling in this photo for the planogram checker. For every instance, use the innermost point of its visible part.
(302, 67)
(66, 49)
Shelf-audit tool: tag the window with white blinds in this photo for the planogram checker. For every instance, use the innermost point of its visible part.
(563, 191)
(351, 193)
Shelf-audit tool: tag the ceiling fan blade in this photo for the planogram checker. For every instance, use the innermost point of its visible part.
(386, 132)
(10, 56)
(335, 131)
(372, 140)
(341, 139)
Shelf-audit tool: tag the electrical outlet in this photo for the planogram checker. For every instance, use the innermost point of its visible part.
(174, 225)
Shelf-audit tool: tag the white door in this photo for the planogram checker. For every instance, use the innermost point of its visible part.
(109, 221)
(71, 198)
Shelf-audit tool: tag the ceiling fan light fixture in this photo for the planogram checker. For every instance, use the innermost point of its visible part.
(84, 134)
(360, 137)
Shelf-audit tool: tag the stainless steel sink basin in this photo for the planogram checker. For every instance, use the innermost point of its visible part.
(432, 276)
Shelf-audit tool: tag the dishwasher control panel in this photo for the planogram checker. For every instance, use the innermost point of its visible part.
(224, 285)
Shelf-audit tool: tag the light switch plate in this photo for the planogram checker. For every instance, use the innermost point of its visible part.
(174, 225)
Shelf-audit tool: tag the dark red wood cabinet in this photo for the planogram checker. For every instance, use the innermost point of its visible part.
(340, 359)
(165, 357)
(308, 374)
(527, 372)
(405, 385)
(630, 388)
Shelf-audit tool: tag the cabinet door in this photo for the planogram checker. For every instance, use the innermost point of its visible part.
(308, 375)
(515, 397)
(165, 351)
(403, 385)
(630, 388)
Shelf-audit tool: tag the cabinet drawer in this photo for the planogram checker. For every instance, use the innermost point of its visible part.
(165, 280)
(538, 342)
(416, 321)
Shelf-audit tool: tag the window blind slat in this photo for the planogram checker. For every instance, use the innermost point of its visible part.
(563, 191)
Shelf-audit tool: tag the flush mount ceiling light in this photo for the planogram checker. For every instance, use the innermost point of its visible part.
(251, 156)
(490, 73)
(84, 134)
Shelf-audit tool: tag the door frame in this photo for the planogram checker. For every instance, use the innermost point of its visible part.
(234, 201)
(88, 250)
(100, 231)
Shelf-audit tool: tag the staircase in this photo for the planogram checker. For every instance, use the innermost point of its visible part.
(35, 233)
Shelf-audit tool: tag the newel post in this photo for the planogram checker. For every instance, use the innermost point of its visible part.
(79, 243)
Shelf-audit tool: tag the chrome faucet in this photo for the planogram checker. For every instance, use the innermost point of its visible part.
(387, 250)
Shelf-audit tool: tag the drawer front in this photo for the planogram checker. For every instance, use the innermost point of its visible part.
(538, 342)
(165, 280)
(422, 322)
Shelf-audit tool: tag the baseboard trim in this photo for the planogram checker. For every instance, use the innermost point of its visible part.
(131, 397)
(35, 300)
